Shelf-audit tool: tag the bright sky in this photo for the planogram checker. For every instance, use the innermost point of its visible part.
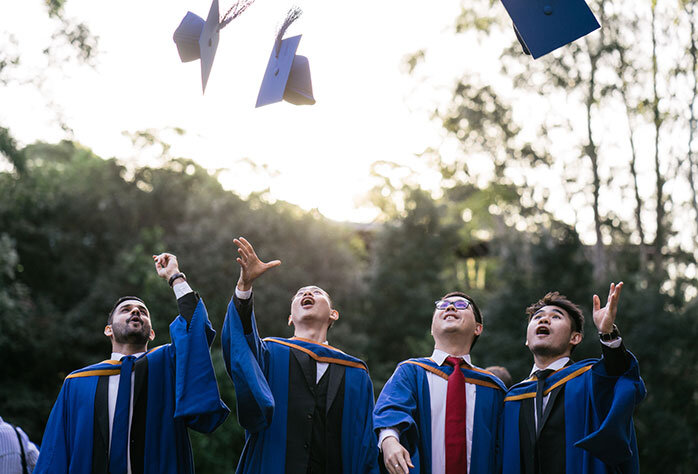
(368, 108)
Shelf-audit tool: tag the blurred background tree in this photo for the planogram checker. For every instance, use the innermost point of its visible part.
(568, 172)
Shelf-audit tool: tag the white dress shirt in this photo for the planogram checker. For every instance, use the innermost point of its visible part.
(438, 388)
(559, 364)
(321, 366)
(180, 289)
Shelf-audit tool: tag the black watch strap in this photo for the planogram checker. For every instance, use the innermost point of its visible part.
(614, 334)
(175, 276)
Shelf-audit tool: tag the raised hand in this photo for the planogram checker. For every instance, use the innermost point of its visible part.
(395, 456)
(605, 317)
(166, 265)
(251, 267)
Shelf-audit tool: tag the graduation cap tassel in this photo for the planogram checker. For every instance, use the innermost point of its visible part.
(293, 14)
(287, 76)
(234, 11)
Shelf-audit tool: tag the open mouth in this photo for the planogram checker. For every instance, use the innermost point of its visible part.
(307, 302)
(450, 317)
(542, 331)
(135, 319)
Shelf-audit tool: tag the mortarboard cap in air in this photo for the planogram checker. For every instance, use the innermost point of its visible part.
(287, 76)
(542, 26)
(198, 39)
(187, 35)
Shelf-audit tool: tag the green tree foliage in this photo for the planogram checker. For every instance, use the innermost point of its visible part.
(78, 232)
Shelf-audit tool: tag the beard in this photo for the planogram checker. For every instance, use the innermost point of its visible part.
(125, 334)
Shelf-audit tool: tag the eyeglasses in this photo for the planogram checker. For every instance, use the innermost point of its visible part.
(458, 304)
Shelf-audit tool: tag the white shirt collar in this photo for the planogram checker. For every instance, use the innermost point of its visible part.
(557, 365)
(439, 357)
(117, 356)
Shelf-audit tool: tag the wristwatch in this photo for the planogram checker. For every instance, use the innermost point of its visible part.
(614, 334)
(175, 276)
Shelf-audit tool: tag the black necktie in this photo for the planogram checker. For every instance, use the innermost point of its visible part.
(541, 375)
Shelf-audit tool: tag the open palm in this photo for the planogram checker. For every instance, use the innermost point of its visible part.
(606, 316)
(251, 267)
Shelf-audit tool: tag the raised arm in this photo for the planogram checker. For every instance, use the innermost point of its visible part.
(616, 357)
(243, 350)
(251, 268)
(197, 399)
(167, 267)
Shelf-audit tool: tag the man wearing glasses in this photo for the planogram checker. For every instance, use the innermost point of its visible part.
(440, 414)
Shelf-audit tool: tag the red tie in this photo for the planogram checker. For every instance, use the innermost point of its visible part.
(456, 437)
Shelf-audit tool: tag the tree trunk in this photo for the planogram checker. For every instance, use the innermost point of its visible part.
(633, 161)
(591, 151)
(692, 120)
(659, 179)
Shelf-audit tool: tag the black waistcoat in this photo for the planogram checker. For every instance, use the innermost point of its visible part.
(314, 423)
(546, 455)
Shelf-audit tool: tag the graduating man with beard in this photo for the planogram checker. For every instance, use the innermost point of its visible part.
(130, 414)
(305, 405)
(570, 417)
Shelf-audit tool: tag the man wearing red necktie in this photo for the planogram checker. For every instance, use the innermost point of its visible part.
(440, 414)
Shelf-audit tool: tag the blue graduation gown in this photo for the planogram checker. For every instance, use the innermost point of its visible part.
(260, 372)
(598, 418)
(181, 392)
(405, 403)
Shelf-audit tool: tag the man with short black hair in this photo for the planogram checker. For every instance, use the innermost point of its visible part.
(130, 414)
(570, 417)
(440, 414)
(305, 405)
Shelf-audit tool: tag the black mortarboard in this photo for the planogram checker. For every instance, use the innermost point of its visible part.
(542, 26)
(287, 76)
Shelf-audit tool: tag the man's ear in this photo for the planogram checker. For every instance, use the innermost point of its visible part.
(290, 320)
(478, 329)
(151, 336)
(107, 331)
(334, 315)
(576, 338)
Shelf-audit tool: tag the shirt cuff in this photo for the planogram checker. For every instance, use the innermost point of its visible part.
(181, 289)
(243, 295)
(614, 344)
(386, 433)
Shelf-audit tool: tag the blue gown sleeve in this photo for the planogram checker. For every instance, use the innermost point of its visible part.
(54, 454)
(397, 406)
(613, 400)
(360, 444)
(246, 360)
(197, 398)
(370, 439)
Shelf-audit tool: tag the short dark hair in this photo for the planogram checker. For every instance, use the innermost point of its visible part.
(118, 302)
(476, 310)
(556, 299)
(502, 373)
